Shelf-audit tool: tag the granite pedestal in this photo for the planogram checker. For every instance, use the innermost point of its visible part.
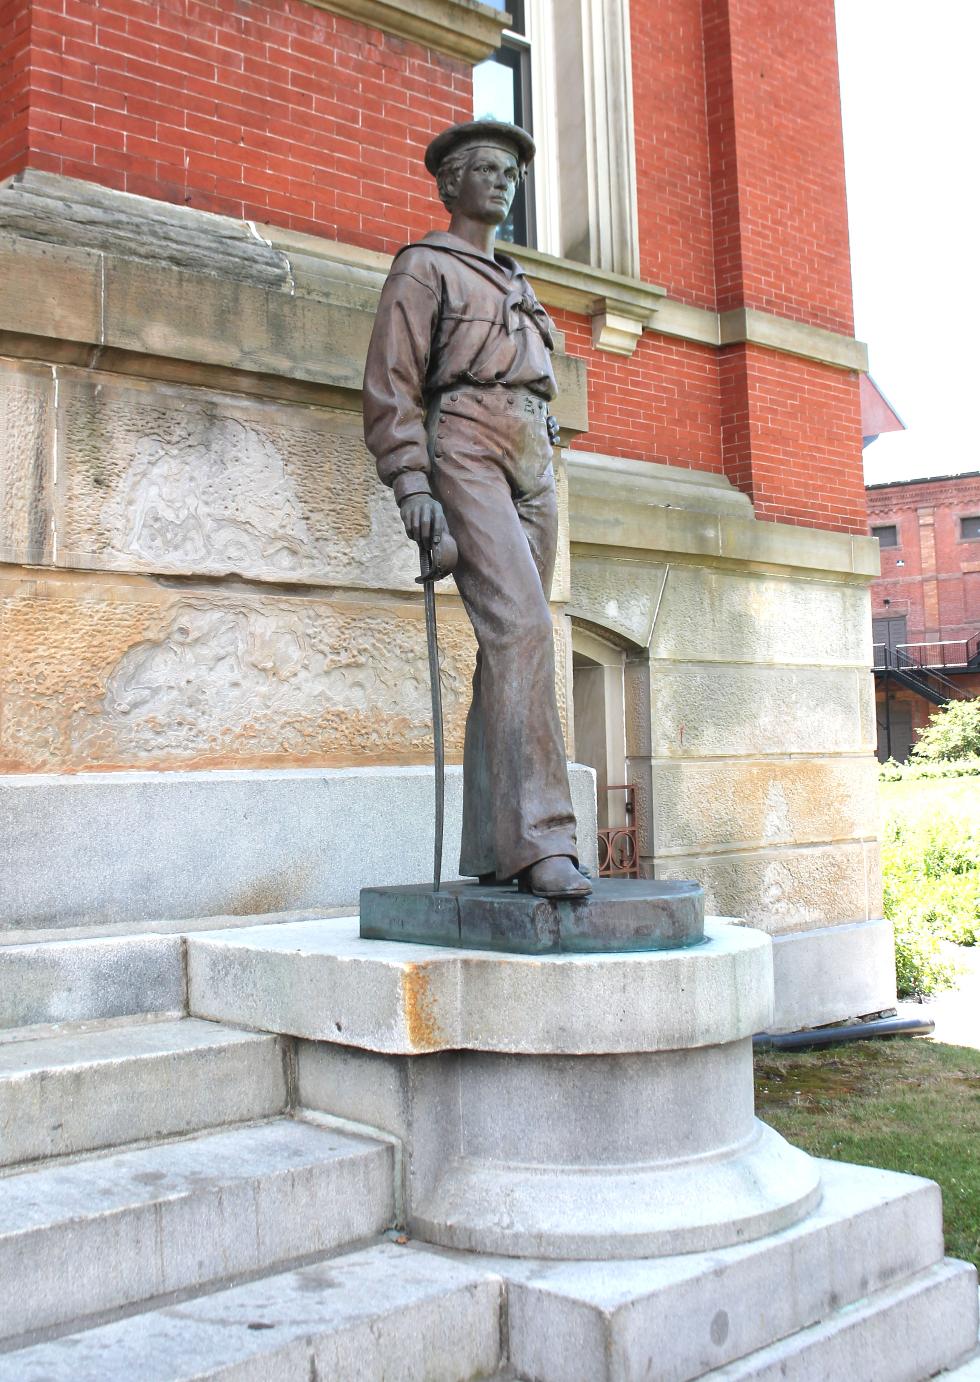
(553, 1106)
(580, 1127)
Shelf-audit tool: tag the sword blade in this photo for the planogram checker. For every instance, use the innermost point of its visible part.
(432, 640)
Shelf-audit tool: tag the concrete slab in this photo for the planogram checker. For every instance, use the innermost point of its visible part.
(320, 980)
(95, 1235)
(680, 1317)
(901, 1334)
(88, 980)
(619, 915)
(224, 842)
(386, 1314)
(68, 1094)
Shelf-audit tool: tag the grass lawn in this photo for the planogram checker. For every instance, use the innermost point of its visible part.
(915, 801)
(901, 1104)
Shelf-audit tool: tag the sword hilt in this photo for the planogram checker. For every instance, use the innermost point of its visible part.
(437, 559)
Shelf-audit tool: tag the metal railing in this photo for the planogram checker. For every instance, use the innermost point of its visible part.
(619, 852)
(906, 667)
(950, 652)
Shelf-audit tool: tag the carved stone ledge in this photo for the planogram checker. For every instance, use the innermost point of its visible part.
(65, 216)
(616, 328)
(459, 28)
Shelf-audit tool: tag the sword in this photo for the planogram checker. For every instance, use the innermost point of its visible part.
(433, 568)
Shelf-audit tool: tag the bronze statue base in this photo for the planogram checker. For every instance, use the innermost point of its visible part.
(621, 914)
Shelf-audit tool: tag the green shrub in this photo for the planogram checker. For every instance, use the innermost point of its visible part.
(928, 771)
(952, 732)
(921, 966)
(931, 870)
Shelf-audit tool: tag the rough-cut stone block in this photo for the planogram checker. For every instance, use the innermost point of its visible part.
(26, 461)
(738, 804)
(728, 616)
(703, 613)
(49, 290)
(68, 1094)
(785, 889)
(319, 980)
(617, 594)
(85, 980)
(136, 675)
(714, 711)
(216, 844)
(832, 974)
(95, 1235)
(386, 1314)
(71, 212)
(222, 321)
(618, 915)
(160, 478)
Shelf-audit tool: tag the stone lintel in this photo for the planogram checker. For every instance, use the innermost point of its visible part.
(461, 29)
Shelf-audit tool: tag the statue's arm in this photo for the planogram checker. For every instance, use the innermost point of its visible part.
(394, 381)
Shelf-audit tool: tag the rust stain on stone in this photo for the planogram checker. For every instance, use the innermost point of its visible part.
(419, 1005)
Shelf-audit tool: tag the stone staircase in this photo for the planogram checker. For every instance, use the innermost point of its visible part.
(168, 1213)
(164, 1213)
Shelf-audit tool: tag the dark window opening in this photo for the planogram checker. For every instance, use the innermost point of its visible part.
(970, 529)
(887, 536)
(502, 91)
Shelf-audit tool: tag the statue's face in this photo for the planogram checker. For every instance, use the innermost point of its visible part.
(487, 185)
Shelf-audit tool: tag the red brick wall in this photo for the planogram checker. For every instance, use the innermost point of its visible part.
(14, 84)
(660, 404)
(276, 112)
(672, 162)
(937, 586)
(780, 217)
(791, 432)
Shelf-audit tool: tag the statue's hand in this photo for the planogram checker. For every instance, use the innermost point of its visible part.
(553, 430)
(424, 519)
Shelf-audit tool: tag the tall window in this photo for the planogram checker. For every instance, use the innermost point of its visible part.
(563, 72)
(502, 91)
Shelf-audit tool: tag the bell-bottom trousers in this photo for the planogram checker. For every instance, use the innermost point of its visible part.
(492, 472)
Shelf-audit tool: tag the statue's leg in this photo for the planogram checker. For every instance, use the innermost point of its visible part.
(477, 858)
(491, 471)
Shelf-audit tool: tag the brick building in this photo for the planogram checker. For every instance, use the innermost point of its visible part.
(926, 603)
(207, 624)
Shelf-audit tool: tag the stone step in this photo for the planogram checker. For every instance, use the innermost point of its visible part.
(74, 1093)
(90, 980)
(81, 1238)
(680, 1317)
(387, 1312)
(904, 1333)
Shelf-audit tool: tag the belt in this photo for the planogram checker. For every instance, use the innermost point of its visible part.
(497, 398)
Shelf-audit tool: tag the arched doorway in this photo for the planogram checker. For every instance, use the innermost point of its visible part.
(603, 673)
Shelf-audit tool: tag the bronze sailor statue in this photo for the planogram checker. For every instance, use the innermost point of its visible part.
(456, 414)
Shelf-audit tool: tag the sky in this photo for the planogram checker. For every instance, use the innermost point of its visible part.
(910, 77)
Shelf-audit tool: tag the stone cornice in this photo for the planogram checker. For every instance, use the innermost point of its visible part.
(67, 212)
(462, 29)
(618, 507)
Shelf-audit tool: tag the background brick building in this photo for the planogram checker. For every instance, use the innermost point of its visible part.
(926, 604)
(204, 590)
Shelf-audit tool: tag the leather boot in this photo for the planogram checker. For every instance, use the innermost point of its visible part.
(557, 876)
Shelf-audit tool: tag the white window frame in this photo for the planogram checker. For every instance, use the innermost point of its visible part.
(609, 139)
